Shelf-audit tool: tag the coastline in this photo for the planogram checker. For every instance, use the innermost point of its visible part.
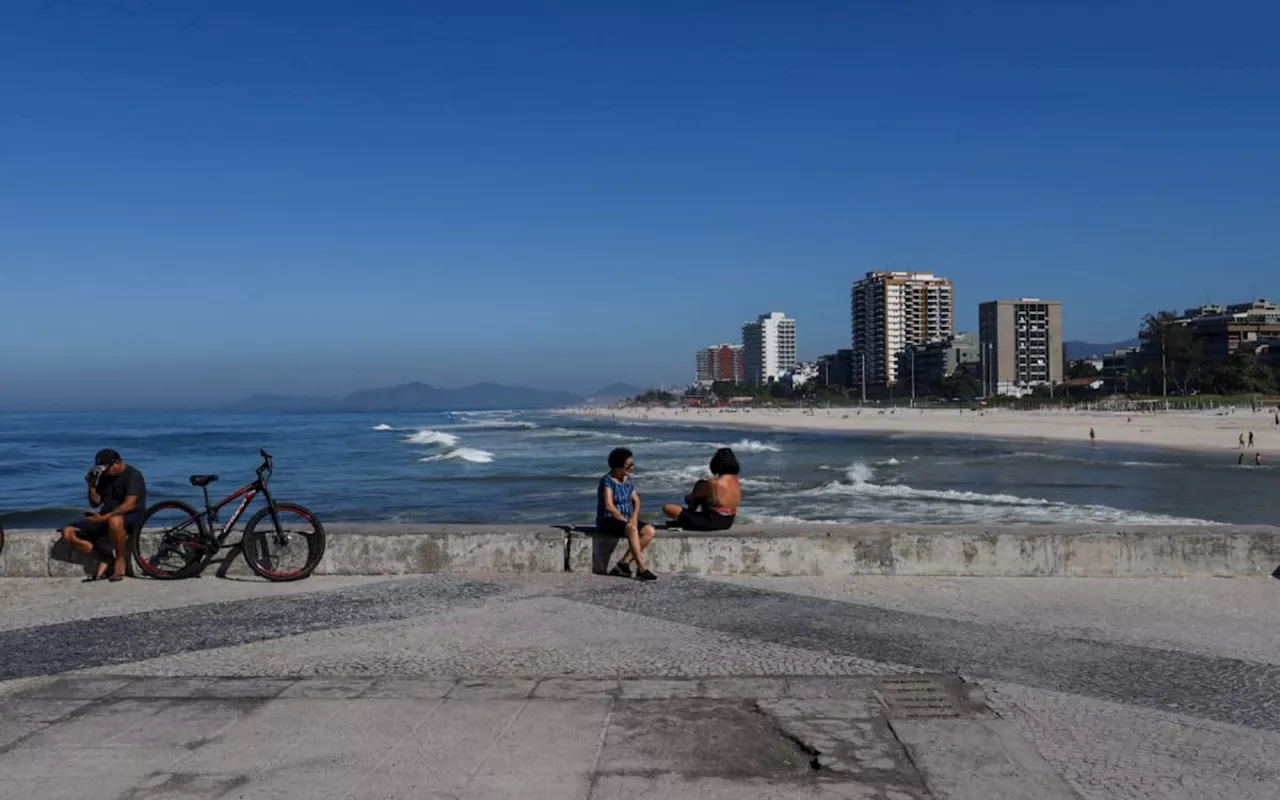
(1207, 433)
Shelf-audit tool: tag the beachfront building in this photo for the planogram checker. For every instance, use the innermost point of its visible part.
(768, 348)
(893, 311)
(931, 363)
(803, 373)
(1020, 345)
(836, 369)
(719, 363)
(1219, 331)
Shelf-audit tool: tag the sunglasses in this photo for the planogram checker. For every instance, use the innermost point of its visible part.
(631, 465)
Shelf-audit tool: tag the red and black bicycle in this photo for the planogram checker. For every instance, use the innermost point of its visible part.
(282, 542)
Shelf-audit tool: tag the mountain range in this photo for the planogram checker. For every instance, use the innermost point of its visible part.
(1077, 349)
(425, 397)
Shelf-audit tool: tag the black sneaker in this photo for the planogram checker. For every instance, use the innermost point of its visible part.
(646, 576)
(621, 570)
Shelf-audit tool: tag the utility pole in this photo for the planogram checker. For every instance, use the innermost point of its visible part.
(913, 377)
(1164, 366)
(864, 379)
(982, 359)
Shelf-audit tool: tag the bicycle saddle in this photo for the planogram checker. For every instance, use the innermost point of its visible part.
(203, 480)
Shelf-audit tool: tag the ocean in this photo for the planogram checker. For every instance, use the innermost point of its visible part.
(535, 467)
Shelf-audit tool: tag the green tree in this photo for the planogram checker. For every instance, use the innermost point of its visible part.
(1082, 369)
(962, 386)
(1175, 358)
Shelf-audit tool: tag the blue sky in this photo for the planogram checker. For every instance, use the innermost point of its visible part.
(199, 200)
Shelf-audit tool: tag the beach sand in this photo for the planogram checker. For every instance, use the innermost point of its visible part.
(1201, 431)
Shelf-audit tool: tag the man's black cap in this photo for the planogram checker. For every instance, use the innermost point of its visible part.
(106, 458)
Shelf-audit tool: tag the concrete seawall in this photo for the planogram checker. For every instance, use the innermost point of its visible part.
(817, 550)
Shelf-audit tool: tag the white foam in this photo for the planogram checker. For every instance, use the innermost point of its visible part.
(490, 423)
(981, 505)
(889, 462)
(383, 427)
(430, 437)
(569, 433)
(754, 446)
(463, 454)
(859, 473)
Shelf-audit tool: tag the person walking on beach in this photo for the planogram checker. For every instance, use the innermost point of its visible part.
(1093, 436)
(713, 504)
(1257, 459)
(1242, 441)
(1251, 438)
(618, 514)
(119, 494)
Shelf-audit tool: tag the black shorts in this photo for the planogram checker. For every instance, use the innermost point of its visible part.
(93, 531)
(611, 526)
(704, 521)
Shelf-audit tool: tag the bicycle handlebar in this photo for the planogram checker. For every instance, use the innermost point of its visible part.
(265, 469)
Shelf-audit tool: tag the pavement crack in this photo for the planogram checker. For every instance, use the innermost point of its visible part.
(812, 753)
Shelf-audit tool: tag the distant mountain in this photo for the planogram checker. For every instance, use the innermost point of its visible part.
(616, 391)
(1077, 350)
(418, 397)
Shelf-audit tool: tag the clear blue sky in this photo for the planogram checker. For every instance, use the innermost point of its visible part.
(199, 200)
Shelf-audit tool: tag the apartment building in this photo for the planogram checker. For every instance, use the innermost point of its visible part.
(892, 311)
(768, 348)
(1020, 345)
(720, 362)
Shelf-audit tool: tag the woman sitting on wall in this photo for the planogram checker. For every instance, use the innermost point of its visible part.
(713, 503)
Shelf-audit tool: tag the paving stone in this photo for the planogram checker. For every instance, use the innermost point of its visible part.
(697, 737)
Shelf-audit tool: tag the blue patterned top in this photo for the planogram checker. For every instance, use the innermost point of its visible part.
(622, 492)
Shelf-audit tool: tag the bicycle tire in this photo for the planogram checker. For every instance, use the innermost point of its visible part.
(255, 543)
(193, 552)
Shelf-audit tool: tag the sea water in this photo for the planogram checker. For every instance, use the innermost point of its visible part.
(535, 467)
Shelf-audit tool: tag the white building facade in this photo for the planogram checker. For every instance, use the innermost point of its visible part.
(768, 348)
(892, 311)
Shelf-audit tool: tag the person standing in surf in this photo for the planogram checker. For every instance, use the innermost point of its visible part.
(713, 504)
(618, 514)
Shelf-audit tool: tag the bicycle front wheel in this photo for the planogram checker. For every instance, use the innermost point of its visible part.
(172, 541)
(288, 552)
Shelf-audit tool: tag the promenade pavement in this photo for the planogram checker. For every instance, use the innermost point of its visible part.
(573, 686)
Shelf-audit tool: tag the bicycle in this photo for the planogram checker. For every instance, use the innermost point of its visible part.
(185, 545)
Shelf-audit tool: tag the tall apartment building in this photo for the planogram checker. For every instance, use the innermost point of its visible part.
(893, 311)
(1020, 344)
(768, 348)
(720, 362)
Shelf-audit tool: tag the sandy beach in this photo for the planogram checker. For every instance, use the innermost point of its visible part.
(1202, 431)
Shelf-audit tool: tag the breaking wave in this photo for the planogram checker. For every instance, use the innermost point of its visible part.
(428, 436)
(463, 454)
(753, 446)
(383, 427)
(858, 483)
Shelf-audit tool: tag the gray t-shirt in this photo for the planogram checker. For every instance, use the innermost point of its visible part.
(128, 483)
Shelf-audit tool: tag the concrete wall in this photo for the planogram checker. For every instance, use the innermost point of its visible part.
(819, 550)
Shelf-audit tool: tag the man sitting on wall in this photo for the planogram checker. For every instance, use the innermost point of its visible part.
(119, 493)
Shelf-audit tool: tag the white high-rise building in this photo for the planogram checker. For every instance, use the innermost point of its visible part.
(768, 348)
(893, 311)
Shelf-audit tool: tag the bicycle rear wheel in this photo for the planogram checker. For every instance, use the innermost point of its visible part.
(172, 541)
(288, 553)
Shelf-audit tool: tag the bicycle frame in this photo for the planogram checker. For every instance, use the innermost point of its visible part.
(248, 492)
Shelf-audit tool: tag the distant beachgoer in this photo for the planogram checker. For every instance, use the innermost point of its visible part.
(1240, 460)
(1242, 441)
(618, 514)
(1251, 438)
(713, 503)
(1093, 435)
(1257, 459)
